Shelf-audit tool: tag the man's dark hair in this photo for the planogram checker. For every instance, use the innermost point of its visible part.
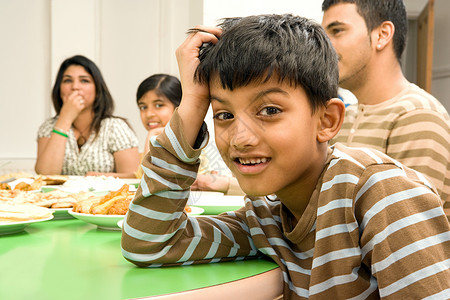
(375, 12)
(256, 48)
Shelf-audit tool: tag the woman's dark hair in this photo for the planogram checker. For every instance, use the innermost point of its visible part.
(375, 12)
(256, 48)
(164, 85)
(103, 105)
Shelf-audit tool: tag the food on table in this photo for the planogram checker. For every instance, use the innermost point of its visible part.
(113, 203)
(53, 199)
(32, 183)
(10, 213)
(15, 175)
(93, 183)
(54, 179)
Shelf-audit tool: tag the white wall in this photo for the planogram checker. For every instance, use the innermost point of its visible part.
(215, 10)
(128, 40)
(24, 76)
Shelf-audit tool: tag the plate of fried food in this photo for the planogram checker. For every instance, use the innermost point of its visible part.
(58, 201)
(104, 211)
(32, 183)
(15, 217)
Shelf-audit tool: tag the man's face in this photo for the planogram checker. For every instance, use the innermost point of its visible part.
(267, 135)
(348, 32)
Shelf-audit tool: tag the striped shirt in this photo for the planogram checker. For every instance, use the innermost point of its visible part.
(97, 154)
(413, 128)
(372, 229)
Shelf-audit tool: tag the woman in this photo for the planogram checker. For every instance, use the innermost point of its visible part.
(84, 138)
(157, 98)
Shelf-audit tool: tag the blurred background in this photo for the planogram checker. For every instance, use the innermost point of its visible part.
(132, 39)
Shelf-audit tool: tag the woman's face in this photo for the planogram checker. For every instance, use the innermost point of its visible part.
(77, 82)
(155, 110)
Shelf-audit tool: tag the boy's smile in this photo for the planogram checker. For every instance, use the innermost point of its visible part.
(267, 135)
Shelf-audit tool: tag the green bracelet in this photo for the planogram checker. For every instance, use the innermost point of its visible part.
(60, 133)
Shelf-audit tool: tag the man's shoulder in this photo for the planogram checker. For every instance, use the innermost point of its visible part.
(416, 99)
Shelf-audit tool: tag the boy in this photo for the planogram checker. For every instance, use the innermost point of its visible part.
(344, 223)
(392, 115)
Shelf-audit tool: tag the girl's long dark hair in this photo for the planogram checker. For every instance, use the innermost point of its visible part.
(164, 85)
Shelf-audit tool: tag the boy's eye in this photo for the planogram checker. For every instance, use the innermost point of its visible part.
(142, 107)
(269, 111)
(223, 116)
(159, 105)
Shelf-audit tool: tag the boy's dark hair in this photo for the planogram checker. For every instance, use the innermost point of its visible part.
(256, 48)
(375, 12)
(164, 85)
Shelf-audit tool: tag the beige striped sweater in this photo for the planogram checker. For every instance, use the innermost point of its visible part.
(373, 228)
(413, 128)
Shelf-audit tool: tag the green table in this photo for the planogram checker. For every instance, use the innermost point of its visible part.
(70, 259)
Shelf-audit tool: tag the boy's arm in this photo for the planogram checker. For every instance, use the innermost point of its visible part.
(157, 230)
(195, 100)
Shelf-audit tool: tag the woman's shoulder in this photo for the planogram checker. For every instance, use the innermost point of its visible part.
(47, 126)
(114, 122)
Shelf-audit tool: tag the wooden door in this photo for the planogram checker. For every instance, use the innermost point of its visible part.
(425, 35)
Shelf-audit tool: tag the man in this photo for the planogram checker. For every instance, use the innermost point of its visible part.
(392, 115)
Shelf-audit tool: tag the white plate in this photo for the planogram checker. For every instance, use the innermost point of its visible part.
(120, 223)
(195, 211)
(106, 222)
(217, 205)
(77, 184)
(61, 213)
(10, 228)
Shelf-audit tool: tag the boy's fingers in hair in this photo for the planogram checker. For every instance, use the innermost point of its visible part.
(216, 31)
(194, 42)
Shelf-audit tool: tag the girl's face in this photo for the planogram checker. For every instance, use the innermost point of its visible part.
(76, 80)
(155, 110)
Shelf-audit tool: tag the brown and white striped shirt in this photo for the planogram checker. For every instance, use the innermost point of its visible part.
(413, 128)
(372, 229)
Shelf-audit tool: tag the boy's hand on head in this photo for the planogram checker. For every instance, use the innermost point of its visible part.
(188, 59)
(195, 101)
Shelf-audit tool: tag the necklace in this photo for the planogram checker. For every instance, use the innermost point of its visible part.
(82, 139)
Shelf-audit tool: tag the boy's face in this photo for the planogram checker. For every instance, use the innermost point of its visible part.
(348, 33)
(266, 134)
